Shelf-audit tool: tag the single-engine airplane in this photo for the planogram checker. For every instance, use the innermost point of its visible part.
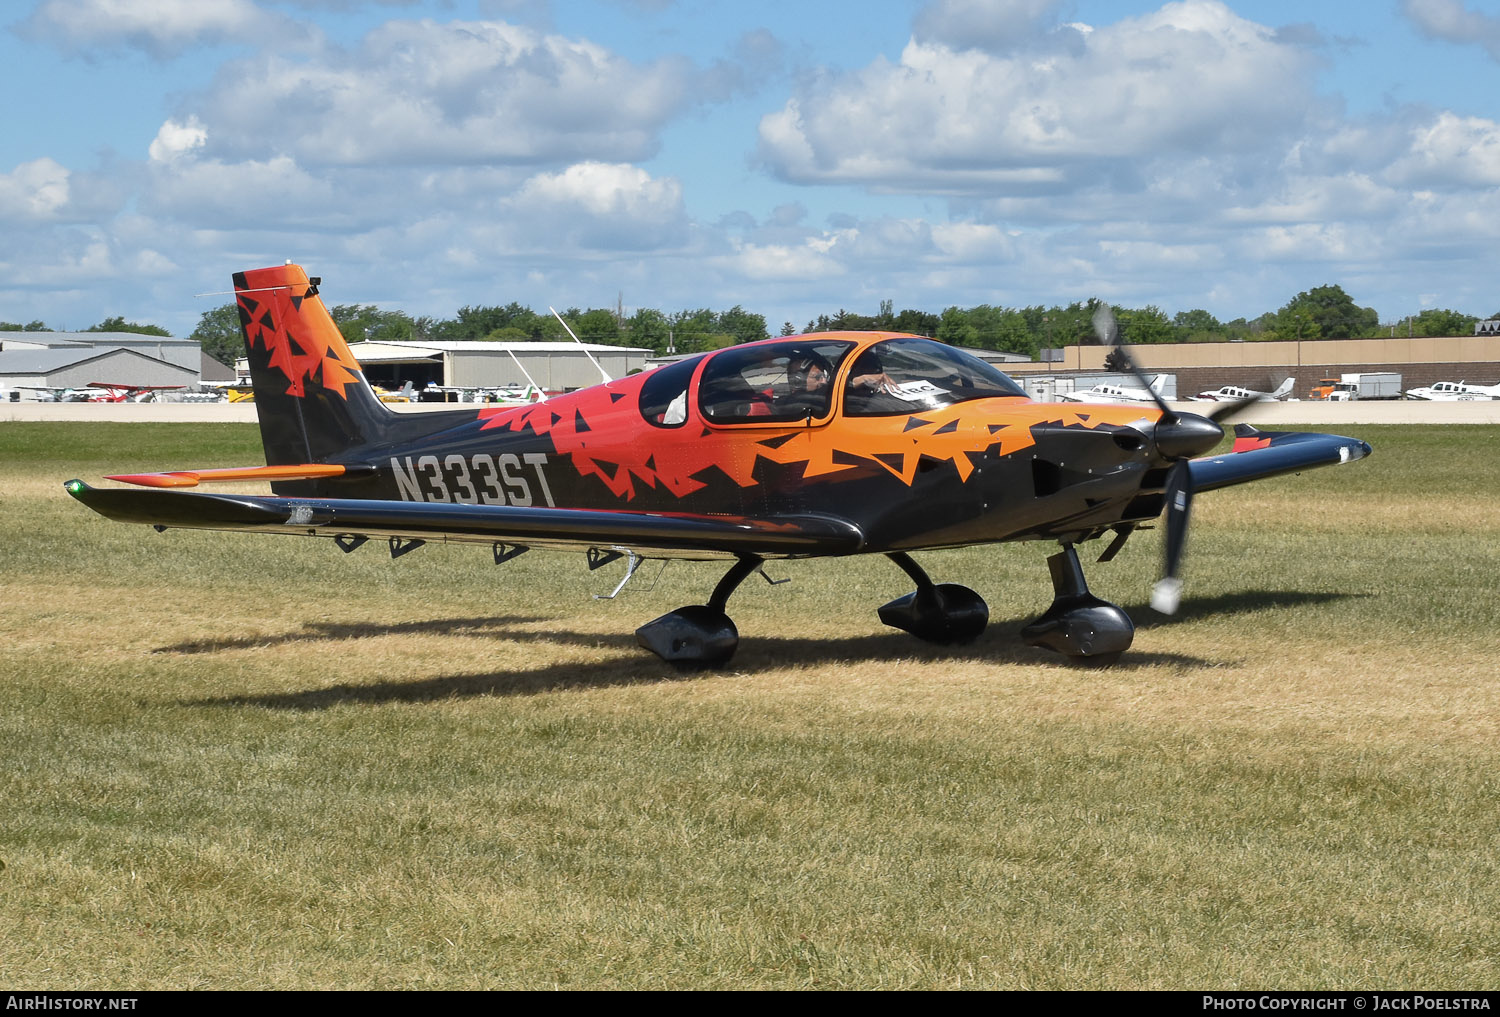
(1454, 391)
(1238, 393)
(116, 392)
(1107, 394)
(835, 443)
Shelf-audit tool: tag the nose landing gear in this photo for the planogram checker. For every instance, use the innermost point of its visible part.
(1078, 624)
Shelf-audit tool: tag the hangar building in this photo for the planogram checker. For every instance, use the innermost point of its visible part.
(556, 367)
(74, 359)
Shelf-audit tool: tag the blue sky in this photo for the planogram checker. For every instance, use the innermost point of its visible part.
(790, 157)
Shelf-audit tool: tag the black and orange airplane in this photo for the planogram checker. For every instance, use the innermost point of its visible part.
(835, 443)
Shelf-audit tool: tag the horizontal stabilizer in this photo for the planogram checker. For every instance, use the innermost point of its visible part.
(671, 535)
(192, 478)
(1261, 454)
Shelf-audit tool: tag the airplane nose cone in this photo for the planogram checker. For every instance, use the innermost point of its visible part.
(1184, 435)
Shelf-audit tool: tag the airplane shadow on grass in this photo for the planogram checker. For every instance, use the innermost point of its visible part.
(1228, 604)
(629, 665)
(317, 632)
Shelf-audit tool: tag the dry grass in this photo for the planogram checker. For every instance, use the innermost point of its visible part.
(235, 762)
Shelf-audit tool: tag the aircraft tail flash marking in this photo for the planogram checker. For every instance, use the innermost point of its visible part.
(312, 397)
(286, 318)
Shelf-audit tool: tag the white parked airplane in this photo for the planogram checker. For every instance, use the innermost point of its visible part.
(1454, 391)
(1238, 393)
(1104, 393)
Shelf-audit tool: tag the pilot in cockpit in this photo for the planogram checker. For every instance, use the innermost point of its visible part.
(869, 385)
(807, 384)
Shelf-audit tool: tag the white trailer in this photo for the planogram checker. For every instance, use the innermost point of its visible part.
(1367, 385)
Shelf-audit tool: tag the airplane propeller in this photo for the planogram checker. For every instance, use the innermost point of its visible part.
(1177, 437)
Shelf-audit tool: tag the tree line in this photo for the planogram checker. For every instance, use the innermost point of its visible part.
(1324, 312)
(688, 331)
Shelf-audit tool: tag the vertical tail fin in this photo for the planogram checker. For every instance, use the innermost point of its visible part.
(310, 393)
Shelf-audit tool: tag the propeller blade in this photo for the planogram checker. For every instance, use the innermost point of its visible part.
(1105, 326)
(1167, 594)
(1108, 331)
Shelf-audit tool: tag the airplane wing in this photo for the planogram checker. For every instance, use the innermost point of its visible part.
(1261, 454)
(664, 535)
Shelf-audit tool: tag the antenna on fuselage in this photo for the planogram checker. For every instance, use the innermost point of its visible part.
(522, 366)
(579, 341)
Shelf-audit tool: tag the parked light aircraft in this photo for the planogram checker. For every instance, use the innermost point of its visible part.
(1454, 391)
(407, 393)
(830, 444)
(1109, 395)
(510, 395)
(113, 392)
(1239, 394)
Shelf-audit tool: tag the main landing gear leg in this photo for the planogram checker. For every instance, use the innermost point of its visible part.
(939, 613)
(1079, 624)
(700, 635)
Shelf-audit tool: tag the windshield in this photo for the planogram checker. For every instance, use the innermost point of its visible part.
(905, 375)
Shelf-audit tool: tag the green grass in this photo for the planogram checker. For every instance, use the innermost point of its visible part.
(238, 762)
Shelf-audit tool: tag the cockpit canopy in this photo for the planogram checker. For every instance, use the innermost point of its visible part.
(804, 379)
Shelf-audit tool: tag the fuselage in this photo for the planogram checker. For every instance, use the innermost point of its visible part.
(918, 444)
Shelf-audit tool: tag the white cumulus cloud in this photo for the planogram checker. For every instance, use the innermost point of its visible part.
(1452, 21)
(1191, 77)
(163, 28)
(176, 139)
(460, 93)
(35, 191)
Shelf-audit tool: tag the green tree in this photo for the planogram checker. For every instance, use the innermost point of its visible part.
(916, 322)
(30, 326)
(955, 329)
(360, 322)
(697, 331)
(597, 326)
(480, 322)
(744, 326)
(1197, 326)
(119, 324)
(1434, 322)
(1147, 325)
(648, 328)
(219, 334)
(1325, 312)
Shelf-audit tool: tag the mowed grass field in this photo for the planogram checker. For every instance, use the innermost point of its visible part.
(247, 762)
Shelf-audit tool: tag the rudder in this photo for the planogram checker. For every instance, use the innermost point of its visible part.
(310, 393)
